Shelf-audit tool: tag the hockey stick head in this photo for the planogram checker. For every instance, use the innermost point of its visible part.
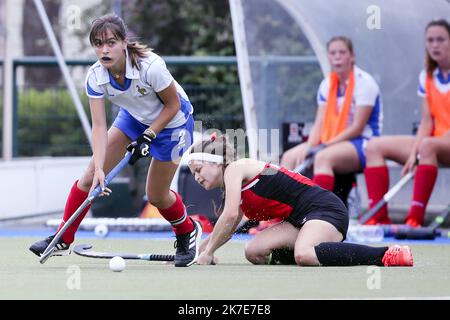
(97, 191)
(84, 250)
(82, 247)
(47, 254)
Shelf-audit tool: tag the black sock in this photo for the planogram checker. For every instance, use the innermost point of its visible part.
(349, 254)
(282, 256)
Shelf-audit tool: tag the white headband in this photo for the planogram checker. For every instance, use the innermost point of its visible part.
(202, 156)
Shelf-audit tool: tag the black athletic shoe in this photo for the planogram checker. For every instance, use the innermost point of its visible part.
(187, 246)
(284, 256)
(61, 248)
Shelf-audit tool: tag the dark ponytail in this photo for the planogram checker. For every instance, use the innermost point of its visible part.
(136, 51)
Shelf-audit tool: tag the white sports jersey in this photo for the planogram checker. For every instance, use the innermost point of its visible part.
(442, 84)
(365, 93)
(138, 95)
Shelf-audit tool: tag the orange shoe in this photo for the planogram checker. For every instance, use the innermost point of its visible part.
(264, 225)
(374, 221)
(207, 226)
(398, 256)
(413, 223)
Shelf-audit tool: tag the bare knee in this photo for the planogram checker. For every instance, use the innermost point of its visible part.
(373, 148)
(305, 256)
(288, 159)
(291, 157)
(375, 152)
(284, 159)
(322, 159)
(254, 253)
(427, 147)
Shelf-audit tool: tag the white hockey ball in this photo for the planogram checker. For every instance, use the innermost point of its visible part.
(101, 230)
(117, 264)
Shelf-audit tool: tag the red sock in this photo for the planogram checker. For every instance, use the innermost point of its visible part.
(325, 181)
(177, 216)
(377, 182)
(423, 186)
(74, 200)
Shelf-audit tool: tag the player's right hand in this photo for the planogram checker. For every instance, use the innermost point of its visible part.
(313, 150)
(410, 164)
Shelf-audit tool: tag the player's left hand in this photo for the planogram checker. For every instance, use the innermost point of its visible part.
(139, 148)
(99, 179)
(206, 259)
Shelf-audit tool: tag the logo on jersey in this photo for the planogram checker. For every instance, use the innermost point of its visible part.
(142, 91)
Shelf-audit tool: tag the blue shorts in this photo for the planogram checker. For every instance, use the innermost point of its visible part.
(360, 144)
(169, 145)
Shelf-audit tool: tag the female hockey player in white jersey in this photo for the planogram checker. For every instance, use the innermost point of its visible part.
(155, 119)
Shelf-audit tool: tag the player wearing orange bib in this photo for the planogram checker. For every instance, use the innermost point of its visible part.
(349, 114)
(432, 141)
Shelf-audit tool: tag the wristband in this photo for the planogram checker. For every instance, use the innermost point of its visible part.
(150, 133)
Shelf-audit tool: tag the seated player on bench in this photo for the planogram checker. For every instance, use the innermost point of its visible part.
(348, 115)
(432, 141)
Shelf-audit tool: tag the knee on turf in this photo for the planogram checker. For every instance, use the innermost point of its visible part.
(255, 254)
(305, 256)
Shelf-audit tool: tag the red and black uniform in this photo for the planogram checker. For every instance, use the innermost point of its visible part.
(280, 193)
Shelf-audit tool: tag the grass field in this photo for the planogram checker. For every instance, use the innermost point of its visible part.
(76, 277)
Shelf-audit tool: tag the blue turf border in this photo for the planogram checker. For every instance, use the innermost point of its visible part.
(164, 235)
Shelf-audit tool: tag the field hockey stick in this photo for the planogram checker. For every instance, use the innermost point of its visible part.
(386, 198)
(83, 250)
(94, 194)
(305, 165)
(425, 233)
(440, 219)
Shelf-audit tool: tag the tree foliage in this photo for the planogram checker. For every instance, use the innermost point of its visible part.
(179, 27)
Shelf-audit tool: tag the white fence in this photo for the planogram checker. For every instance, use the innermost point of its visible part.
(37, 186)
